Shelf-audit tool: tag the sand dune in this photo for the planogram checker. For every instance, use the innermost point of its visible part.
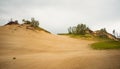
(40, 50)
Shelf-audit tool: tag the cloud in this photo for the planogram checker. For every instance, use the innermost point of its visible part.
(57, 15)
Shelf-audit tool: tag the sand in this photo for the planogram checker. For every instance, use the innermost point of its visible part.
(41, 50)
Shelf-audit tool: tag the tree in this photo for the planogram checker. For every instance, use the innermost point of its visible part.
(34, 22)
(26, 21)
(70, 30)
(80, 29)
(74, 30)
(102, 33)
(103, 30)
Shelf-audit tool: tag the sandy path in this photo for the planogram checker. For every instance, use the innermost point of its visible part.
(71, 60)
(46, 51)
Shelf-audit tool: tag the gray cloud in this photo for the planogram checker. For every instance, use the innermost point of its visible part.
(57, 15)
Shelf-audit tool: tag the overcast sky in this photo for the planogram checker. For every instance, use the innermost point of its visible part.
(57, 15)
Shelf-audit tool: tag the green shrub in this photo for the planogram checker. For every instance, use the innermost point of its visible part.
(34, 23)
(80, 29)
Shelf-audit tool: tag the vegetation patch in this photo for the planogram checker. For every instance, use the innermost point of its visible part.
(31, 24)
(85, 37)
(108, 44)
(105, 39)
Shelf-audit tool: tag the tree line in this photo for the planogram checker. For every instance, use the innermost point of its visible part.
(82, 29)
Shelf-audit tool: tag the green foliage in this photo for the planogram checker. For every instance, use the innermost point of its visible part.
(109, 44)
(102, 33)
(69, 30)
(103, 30)
(80, 29)
(73, 31)
(34, 23)
(26, 21)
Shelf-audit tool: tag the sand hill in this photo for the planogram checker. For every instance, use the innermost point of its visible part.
(24, 47)
(20, 38)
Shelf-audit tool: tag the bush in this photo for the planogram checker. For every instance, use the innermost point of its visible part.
(34, 23)
(80, 29)
(102, 33)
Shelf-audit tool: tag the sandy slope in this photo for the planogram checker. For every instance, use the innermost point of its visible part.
(40, 50)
